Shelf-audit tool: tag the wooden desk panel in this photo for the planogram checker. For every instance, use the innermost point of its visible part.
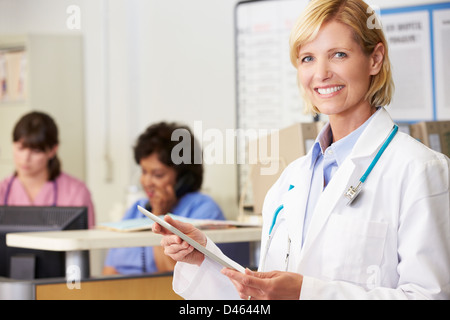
(140, 288)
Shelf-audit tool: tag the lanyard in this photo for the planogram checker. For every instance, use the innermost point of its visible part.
(8, 190)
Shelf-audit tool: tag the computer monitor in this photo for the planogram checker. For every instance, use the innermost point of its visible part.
(47, 264)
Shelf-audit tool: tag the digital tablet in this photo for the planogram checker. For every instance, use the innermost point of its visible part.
(222, 259)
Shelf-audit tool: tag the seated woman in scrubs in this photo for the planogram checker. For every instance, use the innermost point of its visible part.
(170, 188)
(38, 179)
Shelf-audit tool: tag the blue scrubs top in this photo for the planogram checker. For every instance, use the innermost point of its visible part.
(140, 259)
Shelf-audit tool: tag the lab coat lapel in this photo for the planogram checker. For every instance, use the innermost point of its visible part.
(348, 174)
(294, 203)
(332, 196)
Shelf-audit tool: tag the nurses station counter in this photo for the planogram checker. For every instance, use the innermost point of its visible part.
(77, 243)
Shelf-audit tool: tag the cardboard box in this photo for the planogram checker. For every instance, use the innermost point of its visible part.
(427, 133)
(283, 147)
(444, 129)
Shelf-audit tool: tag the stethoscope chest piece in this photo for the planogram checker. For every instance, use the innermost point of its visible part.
(353, 192)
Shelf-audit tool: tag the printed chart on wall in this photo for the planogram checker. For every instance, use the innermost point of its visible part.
(419, 47)
(267, 93)
(13, 62)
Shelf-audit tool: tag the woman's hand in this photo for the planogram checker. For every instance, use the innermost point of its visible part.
(273, 285)
(178, 249)
(163, 200)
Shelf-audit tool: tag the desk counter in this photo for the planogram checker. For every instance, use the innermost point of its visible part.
(76, 240)
(77, 243)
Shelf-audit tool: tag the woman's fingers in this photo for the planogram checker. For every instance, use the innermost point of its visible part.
(175, 247)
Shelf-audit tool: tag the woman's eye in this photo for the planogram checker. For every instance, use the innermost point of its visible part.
(158, 174)
(307, 59)
(340, 54)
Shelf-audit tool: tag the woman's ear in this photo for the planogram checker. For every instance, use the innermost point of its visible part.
(376, 59)
(52, 152)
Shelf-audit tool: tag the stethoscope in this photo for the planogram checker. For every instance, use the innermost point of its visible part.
(9, 186)
(352, 192)
(351, 195)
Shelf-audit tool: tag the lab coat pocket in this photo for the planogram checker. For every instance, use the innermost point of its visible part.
(353, 248)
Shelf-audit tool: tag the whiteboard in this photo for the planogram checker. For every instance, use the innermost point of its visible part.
(266, 83)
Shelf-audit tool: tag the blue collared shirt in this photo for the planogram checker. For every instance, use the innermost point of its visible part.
(325, 160)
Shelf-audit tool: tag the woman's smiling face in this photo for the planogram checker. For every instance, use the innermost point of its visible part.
(334, 71)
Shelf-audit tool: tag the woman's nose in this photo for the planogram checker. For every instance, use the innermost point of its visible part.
(26, 154)
(323, 71)
(146, 180)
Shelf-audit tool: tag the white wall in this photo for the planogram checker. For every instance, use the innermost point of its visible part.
(162, 60)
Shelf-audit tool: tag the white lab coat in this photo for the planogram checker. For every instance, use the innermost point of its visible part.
(393, 242)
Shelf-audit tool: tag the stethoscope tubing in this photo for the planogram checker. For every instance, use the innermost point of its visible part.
(9, 186)
(380, 152)
(269, 241)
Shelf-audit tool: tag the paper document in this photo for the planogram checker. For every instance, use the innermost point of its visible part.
(129, 225)
(214, 224)
(408, 36)
(441, 40)
(221, 259)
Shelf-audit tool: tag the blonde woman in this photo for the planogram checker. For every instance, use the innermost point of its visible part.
(365, 214)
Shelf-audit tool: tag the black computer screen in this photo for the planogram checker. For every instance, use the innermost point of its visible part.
(47, 264)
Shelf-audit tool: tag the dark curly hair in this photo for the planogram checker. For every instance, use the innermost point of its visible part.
(159, 138)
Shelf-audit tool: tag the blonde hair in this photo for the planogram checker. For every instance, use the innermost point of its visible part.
(355, 14)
